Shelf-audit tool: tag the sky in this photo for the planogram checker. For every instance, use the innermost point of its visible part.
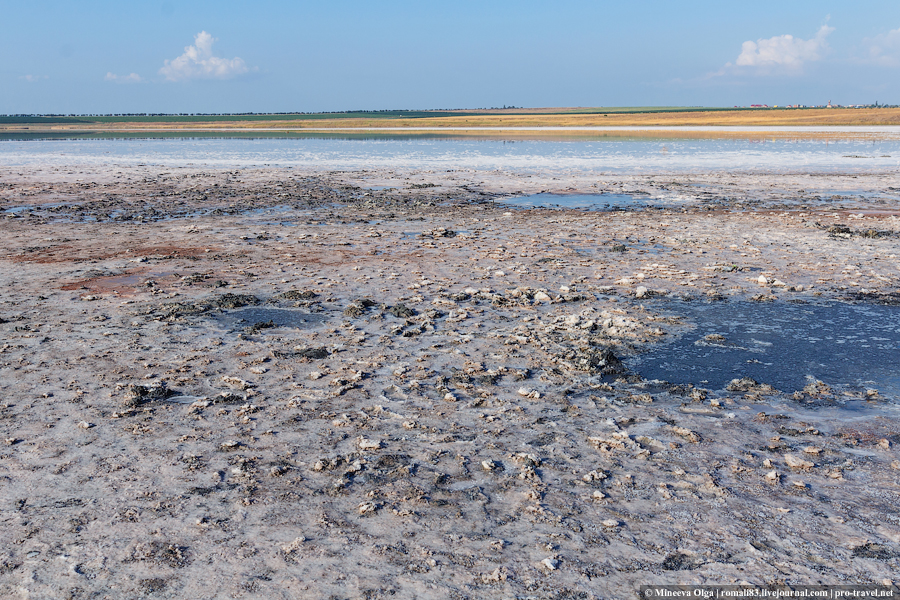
(88, 57)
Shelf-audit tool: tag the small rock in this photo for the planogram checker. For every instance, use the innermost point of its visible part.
(641, 292)
(490, 465)
(367, 508)
(884, 444)
(814, 450)
(795, 462)
(762, 280)
(367, 444)
(551, 564)
(85, 425)
(293, 546)
(687, 434)
(236, 382)
(747, 384)
(611, 523)
(592, 476)
(496, 576)
(773, 477)
(529, 460)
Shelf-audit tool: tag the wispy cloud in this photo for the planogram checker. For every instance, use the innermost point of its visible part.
(884, 49)
(33, 78)
(781, 53)
(198, 62)
(130, 78)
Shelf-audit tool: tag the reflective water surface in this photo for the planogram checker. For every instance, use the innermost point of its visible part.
(639, 155)
(785, 345)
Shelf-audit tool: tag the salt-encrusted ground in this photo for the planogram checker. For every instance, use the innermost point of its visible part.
(447, 418)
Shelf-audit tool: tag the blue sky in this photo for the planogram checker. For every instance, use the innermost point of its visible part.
(228, 56)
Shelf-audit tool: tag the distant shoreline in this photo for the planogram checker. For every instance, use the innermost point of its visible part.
(662, 121)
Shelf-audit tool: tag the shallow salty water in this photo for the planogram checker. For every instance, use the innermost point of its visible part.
(614, 155)
(243, 318)
(585, 201)
(785, 345)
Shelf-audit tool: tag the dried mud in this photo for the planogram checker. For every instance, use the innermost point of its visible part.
(448, 416)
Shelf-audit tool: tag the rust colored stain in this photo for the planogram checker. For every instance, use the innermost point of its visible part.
(113, 283)
(126, 284)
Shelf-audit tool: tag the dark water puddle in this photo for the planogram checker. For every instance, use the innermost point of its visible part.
(855, 346)
(584, 201)
(251, 317)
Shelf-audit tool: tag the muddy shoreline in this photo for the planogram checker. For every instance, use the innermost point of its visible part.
(389, 384)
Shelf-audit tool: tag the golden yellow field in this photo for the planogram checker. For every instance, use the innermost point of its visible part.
(513, 118)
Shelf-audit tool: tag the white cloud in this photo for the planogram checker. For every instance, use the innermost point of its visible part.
(198, 62)
(130, 78)
(884, 49)
(783, 51)
(33, 78)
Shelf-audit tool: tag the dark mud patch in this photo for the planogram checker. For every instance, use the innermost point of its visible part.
(138, 395)
(883, 298)
(401, 311)
(871, 550)
(235, 301)
(297, 295)
(840, 230)
(176, 310)
(308, 353)
(783, 345)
